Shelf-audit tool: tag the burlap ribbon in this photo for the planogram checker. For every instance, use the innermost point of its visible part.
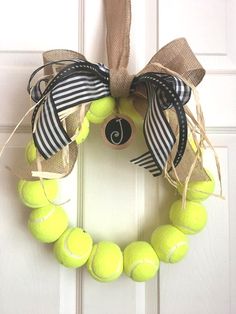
(176, 58)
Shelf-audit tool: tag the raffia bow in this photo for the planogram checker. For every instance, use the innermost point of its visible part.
(164, 85)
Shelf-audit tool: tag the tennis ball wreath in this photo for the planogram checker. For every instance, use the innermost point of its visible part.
(33, 195)
(200, 190)
(84, 131)
(169, 243)
(105, 262)
(140, 261)
(70, 84)
(73, 248)
(191, 219)
(47, 223)
(100, 109)
(30, 152)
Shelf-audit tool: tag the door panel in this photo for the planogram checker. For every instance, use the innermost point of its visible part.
(197, 21)
(31, 281)
(192, 286)
(31, 26)
(211, 34)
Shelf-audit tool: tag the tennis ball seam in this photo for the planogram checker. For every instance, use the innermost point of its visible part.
(137, 263)
(187, 228)
(91, 267)
(44, 218)
(28, 204)
(67, 250)
(35, 206)
(172, 250)
(104, 278)
(40, 203)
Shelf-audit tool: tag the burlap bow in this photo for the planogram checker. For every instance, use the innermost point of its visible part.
(162, 86)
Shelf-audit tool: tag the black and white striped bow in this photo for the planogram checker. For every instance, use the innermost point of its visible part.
(81, 82)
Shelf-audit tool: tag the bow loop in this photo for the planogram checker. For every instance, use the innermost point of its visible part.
(182, 91)
(36, 91)
(173, 84)
(178, 57)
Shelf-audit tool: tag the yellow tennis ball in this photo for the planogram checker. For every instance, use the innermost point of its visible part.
(191, 219)
(140, 261)
(102, 107)
(200, 190)
(169, 243)
(105, 262)
(20, 185)
(47, 223)
(94, 119)
(192, 143)
(126, 107)
(32, 194)
(30, 152)
(84, 131)
(73, 248)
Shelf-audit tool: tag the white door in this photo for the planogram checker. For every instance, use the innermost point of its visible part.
(127, 204)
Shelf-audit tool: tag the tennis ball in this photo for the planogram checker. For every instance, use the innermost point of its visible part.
(73, 248)
(192, 143)
(32, 194)
(102, 107)
(30, 152)
(199, 190)
(169, 243)
(140, 261)
(94, 119)
(84, 131)
(47, 223)
(126, 107)
(20, 186)
(191, 219)
(105, 262)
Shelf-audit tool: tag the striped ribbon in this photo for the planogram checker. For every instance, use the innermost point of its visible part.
(81, 82)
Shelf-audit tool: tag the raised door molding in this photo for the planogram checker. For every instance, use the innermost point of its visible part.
(28, 269)
(209, 28)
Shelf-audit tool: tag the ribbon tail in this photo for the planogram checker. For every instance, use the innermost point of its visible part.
(181, 95)
(147, 162)
(158, 134)
(49, 136)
